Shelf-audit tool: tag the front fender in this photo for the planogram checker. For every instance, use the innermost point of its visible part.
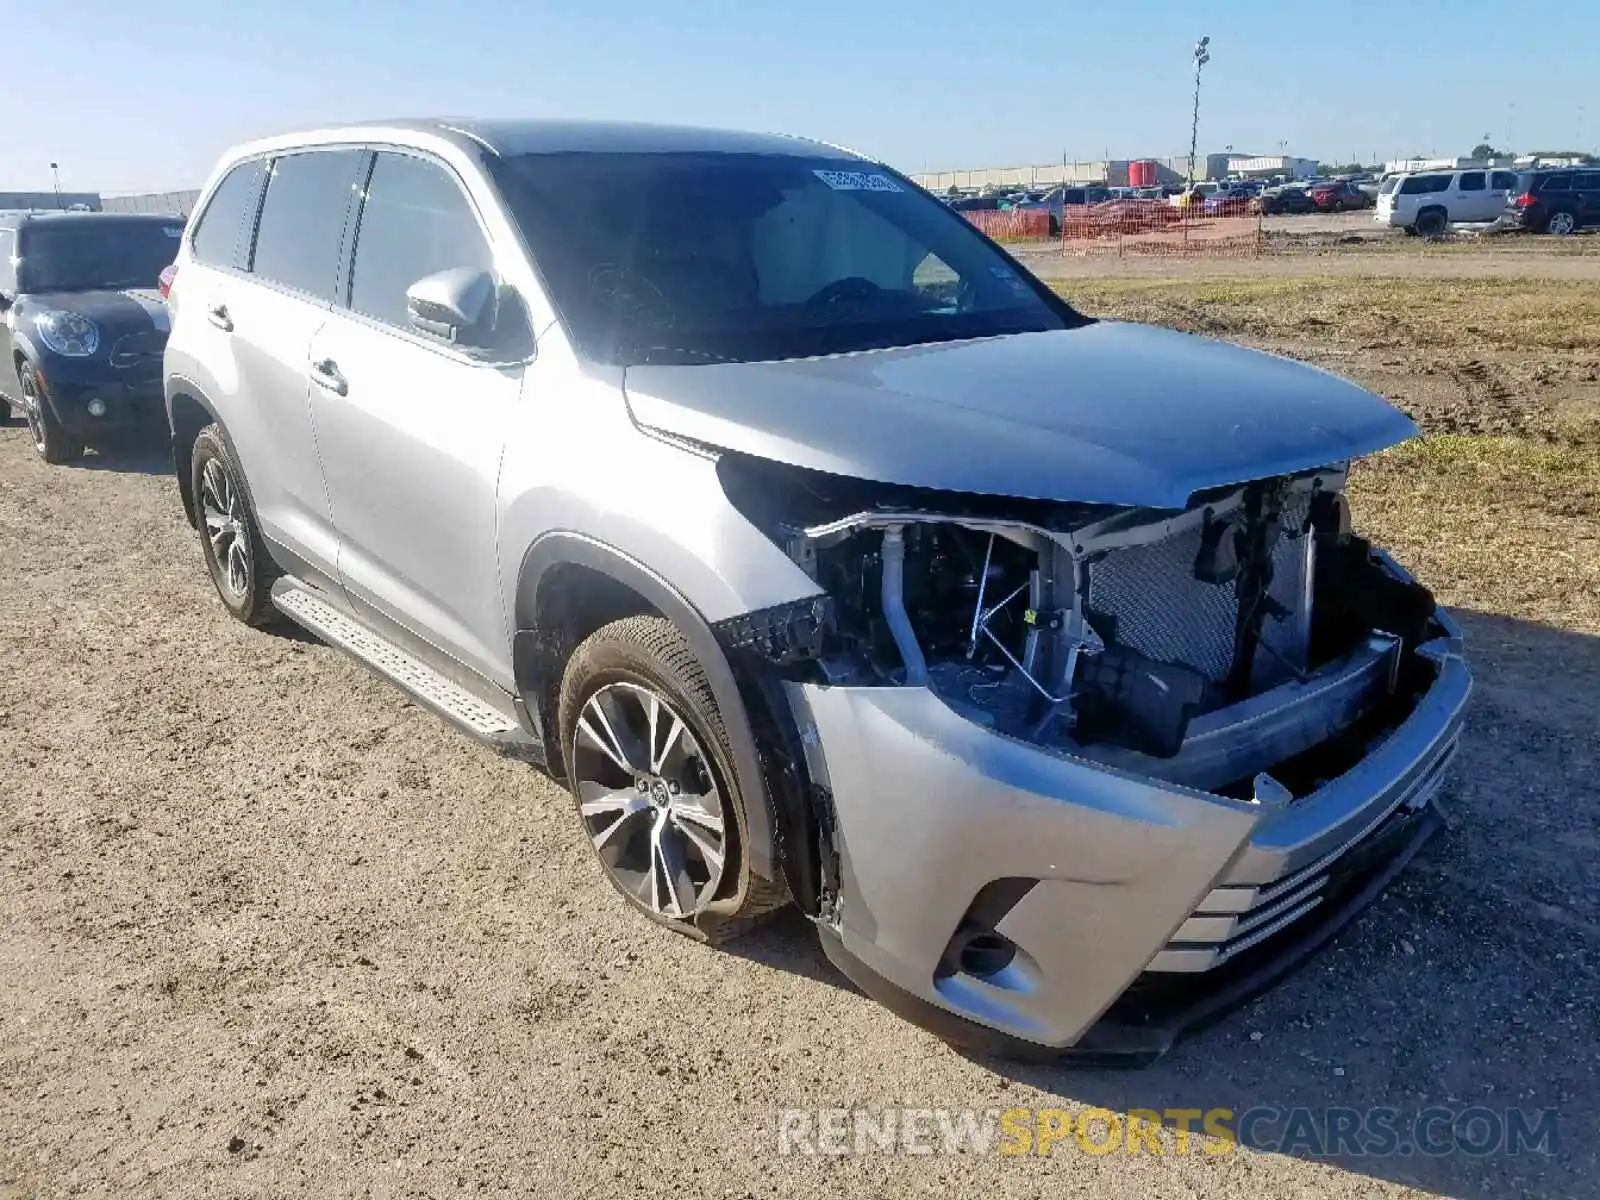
(536, 672)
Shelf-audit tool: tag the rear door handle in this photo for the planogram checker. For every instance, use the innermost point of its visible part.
(217, 314)
(326, 373)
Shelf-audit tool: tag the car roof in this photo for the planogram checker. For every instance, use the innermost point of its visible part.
(17, 218)
(510, 138)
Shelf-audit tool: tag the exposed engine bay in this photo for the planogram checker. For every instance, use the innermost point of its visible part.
(1204, 646)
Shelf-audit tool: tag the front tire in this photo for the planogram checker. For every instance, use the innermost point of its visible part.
(237, 559)
(50, 441)
(651, 772)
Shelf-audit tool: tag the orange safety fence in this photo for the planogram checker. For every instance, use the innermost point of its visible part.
(1013, 225)
(1221, 228)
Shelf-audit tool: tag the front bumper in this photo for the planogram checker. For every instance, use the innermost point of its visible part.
(1136, 908)
(132, 400)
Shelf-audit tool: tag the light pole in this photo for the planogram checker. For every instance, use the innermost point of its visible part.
(55, 174)
(1201, 57)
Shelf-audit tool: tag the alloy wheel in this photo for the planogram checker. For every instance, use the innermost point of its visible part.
(223, 510)
(33, 411)
(648, 799)
(1562, 223)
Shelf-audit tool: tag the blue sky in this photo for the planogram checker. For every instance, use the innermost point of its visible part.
(131, 96)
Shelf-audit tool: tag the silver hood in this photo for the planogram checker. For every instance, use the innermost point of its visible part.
(1109, 413)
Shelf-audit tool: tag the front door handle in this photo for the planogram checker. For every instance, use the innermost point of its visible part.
(326, 372)
(217, 314)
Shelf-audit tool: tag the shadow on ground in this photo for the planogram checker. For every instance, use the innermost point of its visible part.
(1469, 985)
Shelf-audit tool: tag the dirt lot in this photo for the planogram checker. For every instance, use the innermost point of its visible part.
(269, 930)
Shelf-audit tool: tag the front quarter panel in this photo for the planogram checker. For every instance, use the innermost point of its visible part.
(575, 462)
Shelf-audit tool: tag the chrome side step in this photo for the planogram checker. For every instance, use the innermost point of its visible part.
(482, 719)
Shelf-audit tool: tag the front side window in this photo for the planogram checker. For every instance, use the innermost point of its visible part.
(302, 219)
(218, 238)
(416, 221)
(1472, 181)
(702, 257)
(93, 254)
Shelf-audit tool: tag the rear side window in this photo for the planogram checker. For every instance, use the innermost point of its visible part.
(302, 219)
(416, 221)
(1472, 181)
(219, 238)
(1503, 181)
(1422, 185)
(1556, 183)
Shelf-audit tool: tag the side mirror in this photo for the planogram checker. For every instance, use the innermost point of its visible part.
(456, 306)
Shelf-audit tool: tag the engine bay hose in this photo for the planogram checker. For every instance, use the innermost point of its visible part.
(894, 606)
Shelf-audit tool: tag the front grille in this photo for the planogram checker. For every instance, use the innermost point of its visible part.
(135, 350)
(1151, 601)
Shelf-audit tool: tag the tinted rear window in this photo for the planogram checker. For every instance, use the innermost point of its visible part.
(1387, 186)
(1421, 185)
(302, 219)
(218, 231)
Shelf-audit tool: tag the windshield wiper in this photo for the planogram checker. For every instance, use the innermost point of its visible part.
(641, 355)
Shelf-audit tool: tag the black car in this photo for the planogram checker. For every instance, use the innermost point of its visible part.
(1556, 200)
(83, 324)
(1287, 200)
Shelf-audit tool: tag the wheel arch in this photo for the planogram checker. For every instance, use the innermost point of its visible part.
(570, 584)
(189, 410)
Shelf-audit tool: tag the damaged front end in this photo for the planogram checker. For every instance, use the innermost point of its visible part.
(1089, 770)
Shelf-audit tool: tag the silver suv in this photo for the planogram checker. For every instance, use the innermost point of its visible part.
(824, 553)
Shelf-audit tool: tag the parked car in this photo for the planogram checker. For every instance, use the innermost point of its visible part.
(1338, 196)
(82, 325)
(1231, 199)
(1558, 200)
(1284, 200)
(1428, 202)
(824, 553)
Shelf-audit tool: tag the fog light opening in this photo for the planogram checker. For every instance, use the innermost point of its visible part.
(97, 407)
(986, 954)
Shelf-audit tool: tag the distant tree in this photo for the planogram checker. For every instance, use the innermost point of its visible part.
(1484, 151)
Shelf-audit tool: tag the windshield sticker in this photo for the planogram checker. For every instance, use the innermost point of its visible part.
(173, 231)
(858, 181)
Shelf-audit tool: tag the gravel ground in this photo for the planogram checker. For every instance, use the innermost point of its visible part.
(270, 930)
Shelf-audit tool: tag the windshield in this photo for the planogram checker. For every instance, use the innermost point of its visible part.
(79, 256)
(701, 257)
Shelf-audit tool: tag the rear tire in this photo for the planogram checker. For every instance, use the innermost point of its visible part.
(230, 539)
(1432, 223)
(1560, 223)
(657, 794)
(50, 441)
